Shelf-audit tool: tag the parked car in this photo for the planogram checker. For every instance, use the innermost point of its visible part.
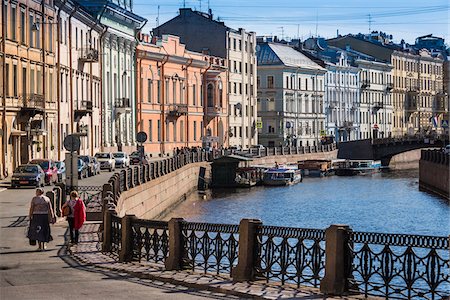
(446, 149)
(106, 160)
(89, 161)
(122, 159)
(259, 146)
(61, 170)
(49, 168)
(82, 169)
(28, 175)
(96, 165)
(135, 158)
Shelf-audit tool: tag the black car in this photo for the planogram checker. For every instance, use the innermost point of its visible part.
(90, 164)
(30, 175)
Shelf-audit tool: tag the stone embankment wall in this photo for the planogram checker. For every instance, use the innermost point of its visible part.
(434, 172)
(155, 198)
(292, 158)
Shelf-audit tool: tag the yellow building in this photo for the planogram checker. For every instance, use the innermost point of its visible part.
(28, 107)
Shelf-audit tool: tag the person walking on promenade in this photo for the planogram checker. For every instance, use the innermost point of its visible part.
(40, 215)
(76, 215)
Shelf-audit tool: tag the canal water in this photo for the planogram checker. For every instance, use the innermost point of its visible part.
(384, 202)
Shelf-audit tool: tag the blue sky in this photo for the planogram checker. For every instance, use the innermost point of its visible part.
(403, 19)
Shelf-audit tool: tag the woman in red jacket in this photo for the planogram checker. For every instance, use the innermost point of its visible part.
(76, 216)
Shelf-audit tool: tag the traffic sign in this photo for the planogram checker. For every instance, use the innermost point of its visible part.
(444, 123)
(72, 142)
(259, 124)
(141, 137)
(323, 133)
(375, 126)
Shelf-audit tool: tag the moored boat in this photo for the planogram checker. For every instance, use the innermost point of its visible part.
(282, 176)
(315, 167)
(356, 167)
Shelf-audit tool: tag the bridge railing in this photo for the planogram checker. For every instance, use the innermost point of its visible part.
(426, 139)
(435, 156)
(337, 259)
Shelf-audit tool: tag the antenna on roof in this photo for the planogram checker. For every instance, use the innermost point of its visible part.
(200, 4)
(317, 20)
(370, 23)
(184, 3)
(157, 18)
(208, 6)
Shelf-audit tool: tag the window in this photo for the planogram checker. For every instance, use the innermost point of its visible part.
(270, 83)
(240, 45)
(32, 90)
(158, 100)
(175, 131)
(210, 95)
(30, 31)
(195, 131)
(22, 25)
(13, 22)
(234, 44)
(7, 81)
(167, 91)
(39, 82)
(24, 82)
(194, 94)
(150, 131)
(182, 131)
(76, 38)
(271, 104)
(149, 90)
(15, 81)
(38, 32)
(159, 130)
(50, 35)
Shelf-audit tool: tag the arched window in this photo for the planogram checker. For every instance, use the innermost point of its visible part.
(210, 95)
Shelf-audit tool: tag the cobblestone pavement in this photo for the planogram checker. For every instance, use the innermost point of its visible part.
(88, 252)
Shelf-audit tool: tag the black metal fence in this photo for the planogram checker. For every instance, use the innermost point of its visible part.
(392, 266)
(210, 247)
(290, 255)
(400, 266)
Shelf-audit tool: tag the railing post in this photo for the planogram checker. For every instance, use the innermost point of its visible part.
(107, 227)
(51, 195)
(58, 200)
(139, 168)
(126, 251)
(335, 281)
(244, 270)
(174, 261)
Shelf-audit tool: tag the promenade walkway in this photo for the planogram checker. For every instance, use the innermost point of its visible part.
(87, 252)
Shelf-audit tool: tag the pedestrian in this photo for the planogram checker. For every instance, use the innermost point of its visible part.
(76, 215)
(40, 215)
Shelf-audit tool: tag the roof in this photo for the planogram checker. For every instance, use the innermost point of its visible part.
(280, 54)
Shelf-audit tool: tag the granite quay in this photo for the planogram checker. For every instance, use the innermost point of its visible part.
(434, 173)
(334, 261)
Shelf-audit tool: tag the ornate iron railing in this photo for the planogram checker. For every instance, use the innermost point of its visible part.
(116, 234)
(290, 255)
(91, 196)
(210, 247)
(150, 240)
(136, 176)
(122, 180)
(400, 266)
(130, 177)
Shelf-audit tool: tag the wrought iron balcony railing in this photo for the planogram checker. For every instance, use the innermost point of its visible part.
(33, 101)
(365, 84)
(213, 111)
(88, 55)
(83, 108)
(378, 105)
(176, 110)
(123, 105)
(389, 86)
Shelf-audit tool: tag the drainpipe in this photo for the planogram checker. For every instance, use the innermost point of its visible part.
(45, 148)
(187, 99)
(91, 77)
(58, 69)
(70, 68)
(137, 91)
(100, 55)
(205, 104)
(163, 88)
(4, 135)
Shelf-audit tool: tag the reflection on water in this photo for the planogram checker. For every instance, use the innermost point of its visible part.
(385, 202)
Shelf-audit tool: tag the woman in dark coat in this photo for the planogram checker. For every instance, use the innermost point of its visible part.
(40, 215)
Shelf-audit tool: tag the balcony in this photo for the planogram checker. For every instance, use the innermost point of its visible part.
(88, 55)
(176, 110)
(123, 106)
(347, 124)
(83, 108)
(213, 111)
(389, 87)
(365, 84)
(33, 104)
(413, 89)
(377, 106)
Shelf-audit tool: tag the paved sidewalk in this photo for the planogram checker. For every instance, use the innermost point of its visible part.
(88, 252)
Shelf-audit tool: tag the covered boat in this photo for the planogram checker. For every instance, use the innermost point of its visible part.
(282, 176)
(356, 167)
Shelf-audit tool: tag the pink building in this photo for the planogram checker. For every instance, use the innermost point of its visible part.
(181, 96)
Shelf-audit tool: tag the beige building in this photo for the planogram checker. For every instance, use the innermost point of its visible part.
(79, 84)
(28, 99)
(419, 101)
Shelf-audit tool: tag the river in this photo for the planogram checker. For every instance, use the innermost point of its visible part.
(384, 202)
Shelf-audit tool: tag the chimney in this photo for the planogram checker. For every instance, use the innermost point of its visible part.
(210, 14)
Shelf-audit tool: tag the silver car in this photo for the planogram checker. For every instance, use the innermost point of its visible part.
(122, 159)
(106, 160)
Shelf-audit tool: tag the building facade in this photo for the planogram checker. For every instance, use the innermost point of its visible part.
(28, 58)
(201, 33)
(118, 72)
(417, 82)
(291, 89)
(79, 80)
(181, 96)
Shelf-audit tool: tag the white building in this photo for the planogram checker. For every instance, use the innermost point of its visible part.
(290, 97)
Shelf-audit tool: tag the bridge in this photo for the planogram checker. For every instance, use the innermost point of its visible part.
(384, 149)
